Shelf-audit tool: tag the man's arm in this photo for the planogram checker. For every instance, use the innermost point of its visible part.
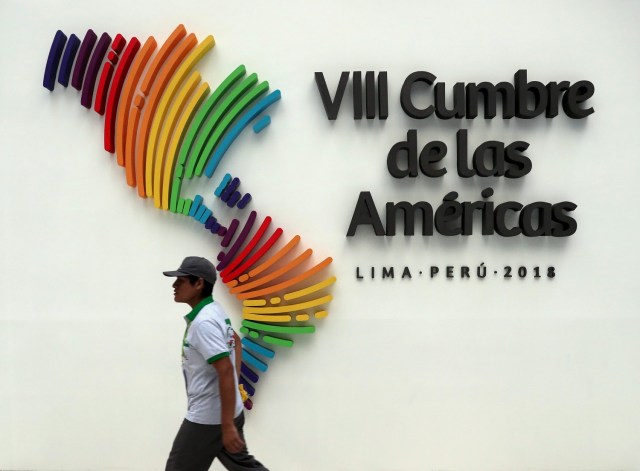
(230, 436)
(238, 350)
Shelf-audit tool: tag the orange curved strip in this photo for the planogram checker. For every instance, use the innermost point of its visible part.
(149, 110)
(276, 274)
(134, 119)
(164, 52)
(281, 253)
(124, 105)
(289, 282)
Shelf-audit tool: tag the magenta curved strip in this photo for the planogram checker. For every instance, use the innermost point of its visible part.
(238, 243)
(83, 57)
(92, 70)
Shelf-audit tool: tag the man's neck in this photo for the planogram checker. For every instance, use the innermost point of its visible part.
(194, 303)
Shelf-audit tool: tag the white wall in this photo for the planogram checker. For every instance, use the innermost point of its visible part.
(403, 375)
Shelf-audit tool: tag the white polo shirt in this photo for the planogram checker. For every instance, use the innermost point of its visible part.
(208, 337)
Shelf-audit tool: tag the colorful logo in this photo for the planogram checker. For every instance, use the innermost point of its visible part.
(165, 126)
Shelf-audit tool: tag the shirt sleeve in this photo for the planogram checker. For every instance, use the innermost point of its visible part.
(210, 339)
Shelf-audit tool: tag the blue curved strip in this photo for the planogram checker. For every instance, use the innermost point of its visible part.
(254, 111)
(222, 185)
(53, 60)
(251, 345)
(68, 57)
(261, 124)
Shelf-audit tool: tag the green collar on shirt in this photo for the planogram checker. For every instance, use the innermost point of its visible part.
(192, 315)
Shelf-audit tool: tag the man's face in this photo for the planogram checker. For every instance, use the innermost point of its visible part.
(185, 292)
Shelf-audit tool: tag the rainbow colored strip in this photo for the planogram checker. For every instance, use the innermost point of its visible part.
(165, 127)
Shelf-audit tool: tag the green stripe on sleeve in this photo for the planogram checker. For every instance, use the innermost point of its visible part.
(217, 357)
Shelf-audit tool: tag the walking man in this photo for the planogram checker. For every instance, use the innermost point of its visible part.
(214, 420)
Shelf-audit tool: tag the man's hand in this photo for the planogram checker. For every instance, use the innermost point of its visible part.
(231, 439)
(230, 436)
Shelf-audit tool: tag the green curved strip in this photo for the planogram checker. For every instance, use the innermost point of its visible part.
(203, 138)
(280, 329)
(278, 341)
(205, 110)
(226, 122)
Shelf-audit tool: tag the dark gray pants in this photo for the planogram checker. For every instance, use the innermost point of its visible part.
(197, 445)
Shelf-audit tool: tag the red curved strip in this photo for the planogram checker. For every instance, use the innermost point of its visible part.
(226, 277)
(114, 94)
(118, 43)
(252, 243)
(103, 87)
(236, 245)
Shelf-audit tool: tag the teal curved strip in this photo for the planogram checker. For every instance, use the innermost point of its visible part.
(253, 361)
(205, 110)
(238, 128)
(256, 347)
(260, 125)
(208, 128)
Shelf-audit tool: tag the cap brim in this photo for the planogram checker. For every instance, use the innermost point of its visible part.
(174, 273)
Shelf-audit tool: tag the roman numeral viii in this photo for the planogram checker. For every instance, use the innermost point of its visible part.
(374, 92)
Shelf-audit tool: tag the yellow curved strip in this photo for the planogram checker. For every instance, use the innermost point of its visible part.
(287, 308)
(310, 289)
(176, 140)
(167, 130)
(255, 302)
(256, 317)
(156, 154)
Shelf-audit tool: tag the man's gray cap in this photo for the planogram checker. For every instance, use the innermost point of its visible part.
(196, 266)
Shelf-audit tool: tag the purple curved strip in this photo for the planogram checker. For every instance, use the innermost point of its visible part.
(249, 373)
(233, 199)
(238, 243)
(209, 223)
(244, 201)
(247, 386)
(53, 60)
(67, 60)
(229, 189)
(83, 57)
(92, 70)
(230, 231)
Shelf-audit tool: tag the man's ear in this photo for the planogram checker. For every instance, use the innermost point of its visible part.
(199, 284)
